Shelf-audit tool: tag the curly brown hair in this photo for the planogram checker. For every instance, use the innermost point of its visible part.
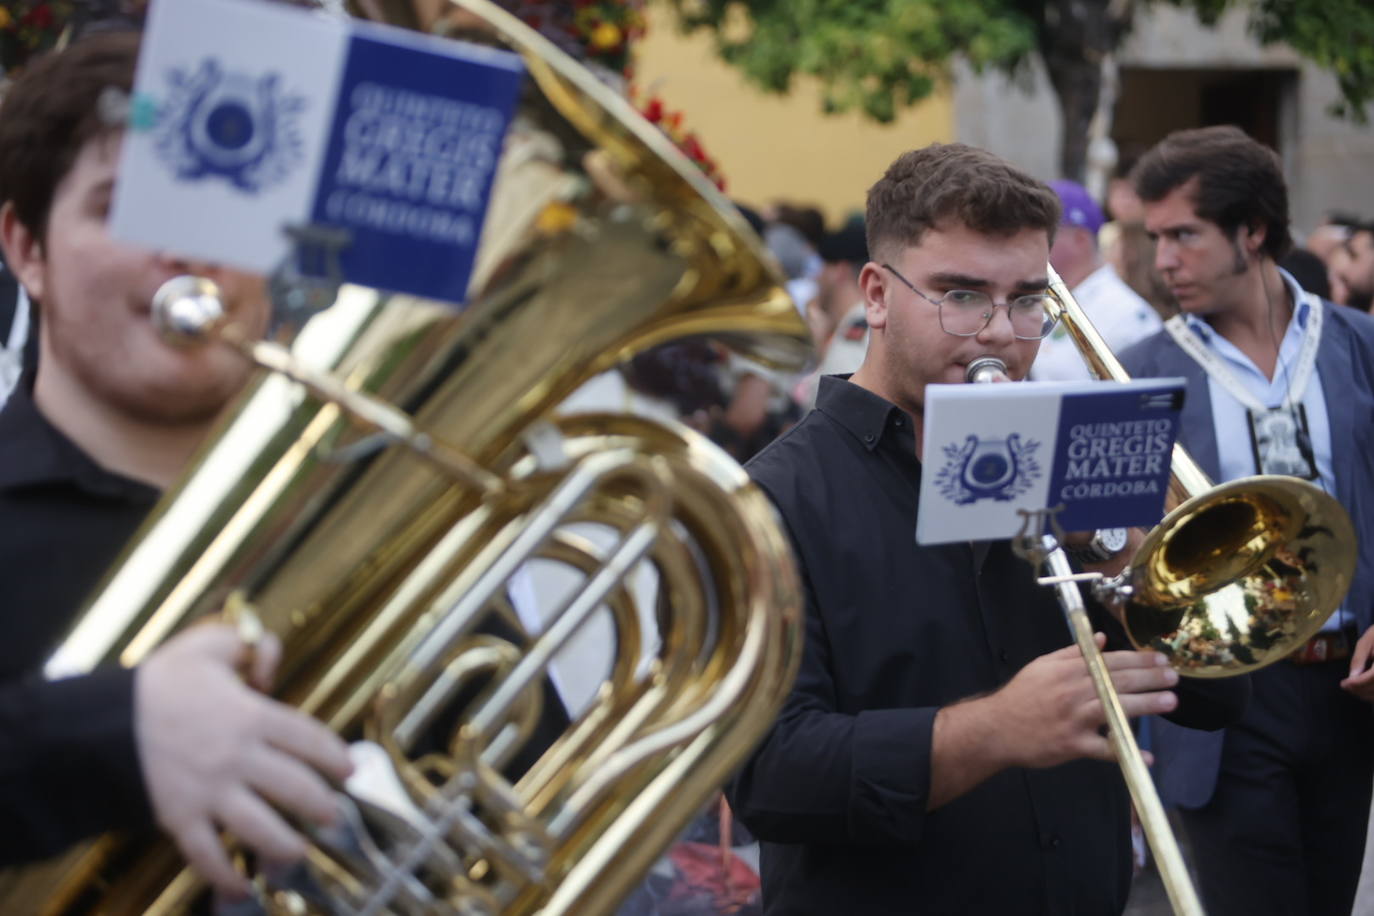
(1239, 181)
(952, 182)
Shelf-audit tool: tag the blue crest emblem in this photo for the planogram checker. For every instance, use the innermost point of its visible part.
(237, 126)
(1000, 469)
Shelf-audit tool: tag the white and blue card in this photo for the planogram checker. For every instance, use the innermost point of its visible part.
(1099, 452)
(249, 117)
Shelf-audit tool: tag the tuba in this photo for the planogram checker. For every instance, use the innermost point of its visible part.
(370, 498)
(1234, 578)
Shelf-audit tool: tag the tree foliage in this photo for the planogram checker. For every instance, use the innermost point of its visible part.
(1336, 35)
(879, 56)
(873, 56)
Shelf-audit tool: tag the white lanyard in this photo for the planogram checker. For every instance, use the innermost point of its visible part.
(19, 328)
(1213, 365)
(11, 355)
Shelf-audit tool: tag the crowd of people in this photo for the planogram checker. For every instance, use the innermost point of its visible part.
(942, 748)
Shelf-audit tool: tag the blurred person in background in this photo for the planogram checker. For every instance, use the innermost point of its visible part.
(1128, 248)
(840, 305)
(1131, 251)
(1354, 269)
(1309, 270)
(1330, 235)
(1123, 204)
(1120, 315)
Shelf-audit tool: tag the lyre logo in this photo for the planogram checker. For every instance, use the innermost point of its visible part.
(999, 469)
(238, 126)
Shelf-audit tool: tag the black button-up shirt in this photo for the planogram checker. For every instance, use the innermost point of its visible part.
(68, 759)
(838, 790)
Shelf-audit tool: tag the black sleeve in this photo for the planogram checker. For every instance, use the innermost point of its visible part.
(823, 776)
(68, 763)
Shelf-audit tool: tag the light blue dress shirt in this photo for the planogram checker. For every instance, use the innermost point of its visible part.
(1235, 452)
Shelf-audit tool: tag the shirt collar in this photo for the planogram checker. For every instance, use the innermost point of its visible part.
(866, 416)
(1302, 309)
(33, 452)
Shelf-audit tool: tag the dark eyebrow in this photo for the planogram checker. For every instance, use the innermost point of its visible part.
(958, 281)
(1175, 228)
(966, 281)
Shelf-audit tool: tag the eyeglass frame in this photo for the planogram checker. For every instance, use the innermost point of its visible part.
(1051, 320)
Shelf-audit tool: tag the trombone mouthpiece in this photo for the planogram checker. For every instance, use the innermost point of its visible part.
(986, 369)
(185, 309)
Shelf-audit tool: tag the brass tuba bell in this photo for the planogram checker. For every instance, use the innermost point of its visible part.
(371, 497)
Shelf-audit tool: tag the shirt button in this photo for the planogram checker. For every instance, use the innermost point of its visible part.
(868, 437)
(1050, 841)
(897, 422)
(1005, 658)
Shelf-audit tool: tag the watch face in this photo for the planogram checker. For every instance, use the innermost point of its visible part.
(1112, 540)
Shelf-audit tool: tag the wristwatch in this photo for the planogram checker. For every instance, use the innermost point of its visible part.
(1105, 544)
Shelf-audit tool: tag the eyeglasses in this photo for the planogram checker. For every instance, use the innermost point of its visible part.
(965, 312)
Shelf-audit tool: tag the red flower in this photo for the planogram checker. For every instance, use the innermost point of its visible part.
(40, 17)
(654, 110)
(692, 147)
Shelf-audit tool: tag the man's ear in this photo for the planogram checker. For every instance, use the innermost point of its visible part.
(873, 283)
(1252, 238)
(23, 251)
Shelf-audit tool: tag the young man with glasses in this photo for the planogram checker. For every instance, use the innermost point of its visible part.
(941, 750)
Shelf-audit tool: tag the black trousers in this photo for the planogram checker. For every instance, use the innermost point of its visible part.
(1285, 831)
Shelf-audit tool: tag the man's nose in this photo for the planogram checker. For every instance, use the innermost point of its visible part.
(998, 331)
(1166, 256)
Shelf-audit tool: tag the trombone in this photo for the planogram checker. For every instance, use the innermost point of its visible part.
(1234, 578)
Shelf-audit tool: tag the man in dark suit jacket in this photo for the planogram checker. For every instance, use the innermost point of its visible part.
(1276, 805)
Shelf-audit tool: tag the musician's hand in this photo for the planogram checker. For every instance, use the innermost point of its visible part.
(1361, 680)
(1049, 712)
(218, 755)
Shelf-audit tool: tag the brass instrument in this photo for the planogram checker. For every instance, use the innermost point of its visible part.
(371, 497)
(1234, 578)
(1237, 575)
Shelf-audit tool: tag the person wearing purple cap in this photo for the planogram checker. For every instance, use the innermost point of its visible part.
(1120, 315)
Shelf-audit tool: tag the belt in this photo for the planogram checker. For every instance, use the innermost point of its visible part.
(1330, 646)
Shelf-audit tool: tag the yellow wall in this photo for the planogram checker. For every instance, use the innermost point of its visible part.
(772, 147)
